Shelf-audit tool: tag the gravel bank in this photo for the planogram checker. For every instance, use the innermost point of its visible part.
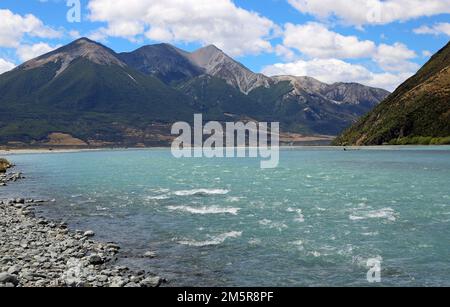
(37, 252)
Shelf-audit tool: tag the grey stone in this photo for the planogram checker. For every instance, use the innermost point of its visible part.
(15, 269)
(96, 260)
(89, 234)
(151, 282)
(8, 278)
(117, 282)
(150, 255)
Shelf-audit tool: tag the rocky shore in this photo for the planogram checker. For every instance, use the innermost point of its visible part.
(9, 177)
(36, 252)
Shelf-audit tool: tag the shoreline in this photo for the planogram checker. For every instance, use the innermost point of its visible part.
(16, 151)
(38, 252)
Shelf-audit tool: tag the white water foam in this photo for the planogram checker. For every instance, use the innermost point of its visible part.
(385, 213)
(300, 217)
(233, 199)
(273, 225)
(214, 240)
(159, 197)
(201, 192)
(255, 242)
(205, 210)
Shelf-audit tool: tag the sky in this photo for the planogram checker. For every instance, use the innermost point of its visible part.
(378, 43)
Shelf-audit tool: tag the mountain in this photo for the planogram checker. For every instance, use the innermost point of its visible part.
(216, 98)
(217, 64)
(306, 105)
(85, 93)
(163, 61)
(338, 93)
(301, 106)
(85, 89)
(310, 106)
(417, 112)
(171, 64)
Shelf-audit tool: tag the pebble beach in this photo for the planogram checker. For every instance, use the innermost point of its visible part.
(35, 252)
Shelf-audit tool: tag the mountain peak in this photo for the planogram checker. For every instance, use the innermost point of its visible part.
(217, 63)
(84, 40)
(308, 84)
(211, 47)
(80, 48)
(164, 61)
(208, 56)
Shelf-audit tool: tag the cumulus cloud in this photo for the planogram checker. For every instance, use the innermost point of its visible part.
(285, 52)
(334, 70)
(395, 58)
(442, 28)
(5, 66)
(362, 12)
(315, 40)
(28, 52)
(14, 27)
(235, 30)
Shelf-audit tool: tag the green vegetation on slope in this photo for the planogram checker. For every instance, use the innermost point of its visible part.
(421, 140)
(419, 108)
(86, 100)
(214, 97)
(88, 91)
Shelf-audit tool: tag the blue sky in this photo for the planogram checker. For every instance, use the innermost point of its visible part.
(374, 42)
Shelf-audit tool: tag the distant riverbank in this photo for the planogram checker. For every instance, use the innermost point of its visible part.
(15, 151)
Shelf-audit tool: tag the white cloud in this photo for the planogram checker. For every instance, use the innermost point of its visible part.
(315, 40)
(74, 34)
(395, 58)
(220, 22)
(285, 52)
(334, 70)
(14, 27)
(28, 52)
(442, 28)
(427, 53)
(362, 12)
(5, 66)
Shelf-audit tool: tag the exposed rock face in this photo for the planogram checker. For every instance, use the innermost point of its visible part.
(354, 93)
(307, 84)
(216, 63)
(339, 93)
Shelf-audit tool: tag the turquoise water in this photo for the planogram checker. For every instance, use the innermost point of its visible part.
(313, 221)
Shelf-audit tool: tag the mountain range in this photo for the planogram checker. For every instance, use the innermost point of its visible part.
(96, 96)
(418, 112)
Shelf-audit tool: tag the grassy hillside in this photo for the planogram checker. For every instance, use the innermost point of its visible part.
(419, 108)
